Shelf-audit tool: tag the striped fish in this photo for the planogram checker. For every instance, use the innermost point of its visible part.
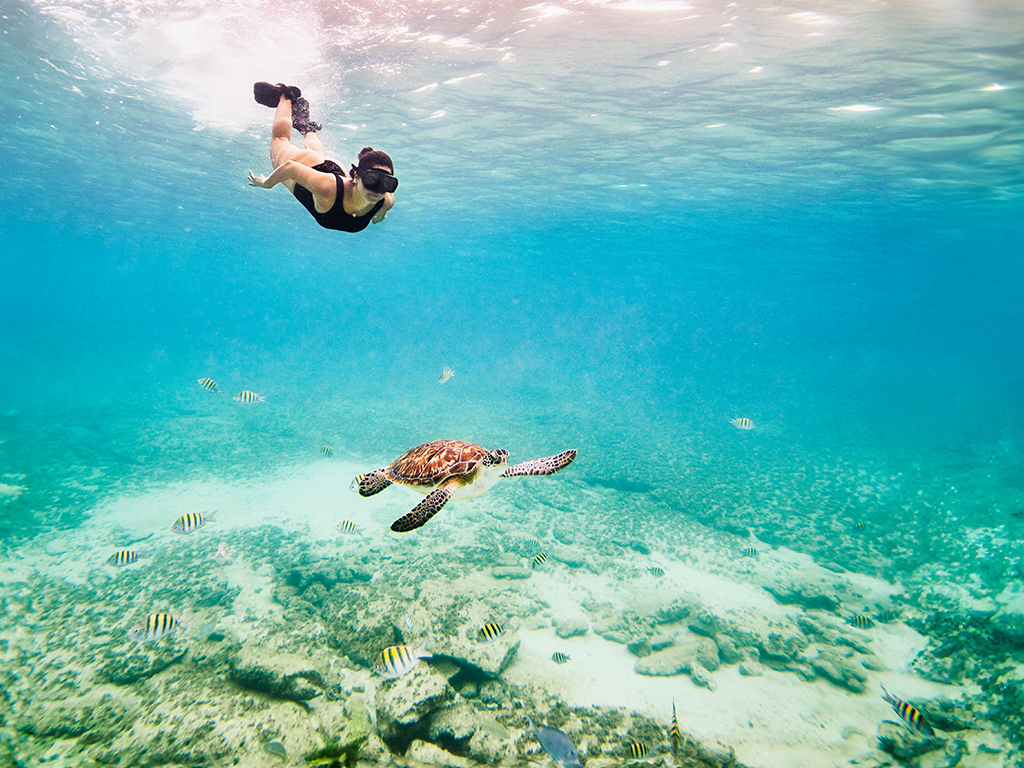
(245, 397)
(742, 423)
(490, 632)
(123, 557)
(209, 385)
(325, 451)
(191, 522)
(396, 660)
(908, 714)
(674, 733)
(638, 750)
(860, 525)
(657, 571)
(748, 552)
(348, 527)
(559, 658)
(860, 621)
(538, 559)
(446, 374)
(156, 626)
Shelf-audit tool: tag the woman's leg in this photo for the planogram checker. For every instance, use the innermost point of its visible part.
(281, 147)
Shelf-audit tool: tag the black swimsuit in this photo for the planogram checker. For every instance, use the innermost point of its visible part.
(336, 218)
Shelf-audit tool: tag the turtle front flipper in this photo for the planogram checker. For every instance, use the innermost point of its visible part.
(370, 483)
(425, 510)
(546, 466)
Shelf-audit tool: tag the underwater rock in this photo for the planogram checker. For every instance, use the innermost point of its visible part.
(782, 646)
(842, 671)
(701, 676)
(452, 728)
(425, 753)
(97, 723)
(510, 572)
(639, 646)
(751, 668)
(809, 595)
(405, 705)
(569, 557)
(282, 676)
(616, 636)
(662, 641)
(903, 743)
(571, 628)
(675, 611)
(727, 650)
(128, 664)
(679, 659)
(491, 742)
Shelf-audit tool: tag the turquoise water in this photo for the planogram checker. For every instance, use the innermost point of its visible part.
(621, 224)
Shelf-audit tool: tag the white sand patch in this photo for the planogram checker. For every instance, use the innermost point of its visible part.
(11, 492)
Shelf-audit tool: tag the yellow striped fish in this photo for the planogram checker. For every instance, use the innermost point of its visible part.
(860, 621)
(209, 385)
(191, 522)
(559, 658)
(123, 557)
(325, 451)
(908, 714)
(657, 571)
(637, 750)
(155, 626)
(396, 660)
(490, 632)
(446, 374)
(348, 527)
(742, 423)
(245, 397)
(748, 552)
(538, 559)
(674, 733)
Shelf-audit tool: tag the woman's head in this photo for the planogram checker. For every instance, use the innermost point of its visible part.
(372, 158)
(376, 171)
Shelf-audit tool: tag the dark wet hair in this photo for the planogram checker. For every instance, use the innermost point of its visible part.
(370, 157)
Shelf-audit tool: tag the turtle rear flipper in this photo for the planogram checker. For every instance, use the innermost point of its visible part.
(371, 483)
(425, 510)
(546, 466)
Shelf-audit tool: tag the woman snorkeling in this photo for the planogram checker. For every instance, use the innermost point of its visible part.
(337, 200)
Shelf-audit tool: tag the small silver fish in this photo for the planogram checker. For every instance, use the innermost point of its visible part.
(742, 423)
(348, 527)
(192, 522)
(326, 451)
(245, 397)
(209, 385)
(155, 626)
(558, 746)
(123, 557)
(397, 660)
(446, 374)
(223, 555)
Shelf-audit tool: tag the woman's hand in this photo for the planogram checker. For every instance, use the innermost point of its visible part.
(257, 181)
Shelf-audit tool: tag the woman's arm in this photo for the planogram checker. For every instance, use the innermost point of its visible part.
(389, 201)
(319, 183)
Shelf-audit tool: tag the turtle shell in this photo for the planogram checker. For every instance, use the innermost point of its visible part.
(430, 463)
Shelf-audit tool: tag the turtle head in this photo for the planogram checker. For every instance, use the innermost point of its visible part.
(496, 457)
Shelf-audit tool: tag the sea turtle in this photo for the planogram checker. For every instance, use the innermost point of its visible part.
(450, 469)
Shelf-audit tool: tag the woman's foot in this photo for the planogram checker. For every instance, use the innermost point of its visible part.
(269, 95)
(300, 117)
